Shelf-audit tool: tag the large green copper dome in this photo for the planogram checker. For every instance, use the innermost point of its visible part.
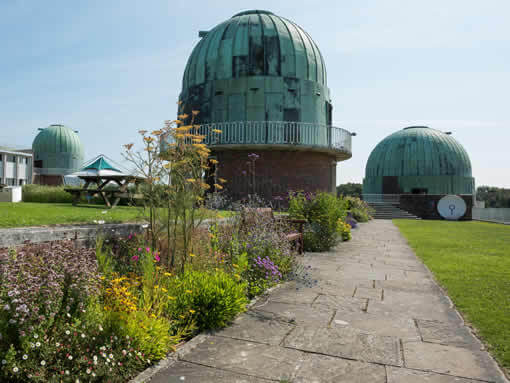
(58, 149)
(418, 159)
(257, 66)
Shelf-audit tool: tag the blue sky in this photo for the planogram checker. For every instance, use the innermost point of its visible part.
(109, 68)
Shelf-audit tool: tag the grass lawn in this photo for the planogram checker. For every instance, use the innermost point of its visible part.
(471, 260)
(39, 214)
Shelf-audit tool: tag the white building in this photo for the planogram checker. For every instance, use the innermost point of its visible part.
(15, 167)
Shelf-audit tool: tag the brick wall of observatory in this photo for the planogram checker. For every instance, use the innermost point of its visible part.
(276, 173)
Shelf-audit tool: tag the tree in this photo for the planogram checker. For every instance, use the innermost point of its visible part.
(494, 196)
(350, 189)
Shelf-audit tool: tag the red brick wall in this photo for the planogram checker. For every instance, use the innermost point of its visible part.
(276, 172)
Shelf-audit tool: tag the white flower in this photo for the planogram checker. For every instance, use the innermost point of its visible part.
(100, 222)
(32, 345)
(127, 336)
(36, 336)
(100, 328)
(4, 361)
(110, 356)
(67, 372)
(124, 352)
(70, 357)
(43, 363)
(83, 335)
(104, 212)
(77, 381)
(15, 369)
(38, 344)
(95, 357)
(145, 226)
(68, 315)
(95, 362)
(107, 360)
(94, 374)
(88, 371)
(7, 307)
(149, 361)
(25, 357)
(57, 344)
(68, 332)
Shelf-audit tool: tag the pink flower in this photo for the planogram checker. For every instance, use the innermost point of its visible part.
(157, 258)
(148, 250)
(134, 258)
(139, 249)
(130, 236)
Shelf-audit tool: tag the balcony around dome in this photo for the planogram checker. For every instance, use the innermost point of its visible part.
(277, 135)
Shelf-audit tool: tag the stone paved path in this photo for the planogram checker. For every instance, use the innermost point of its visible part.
(375, 316)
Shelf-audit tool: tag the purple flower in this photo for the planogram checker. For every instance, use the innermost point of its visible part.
(157, 258)
(134, 258)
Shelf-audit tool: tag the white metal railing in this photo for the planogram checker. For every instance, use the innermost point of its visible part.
(274, 133)
(499, 215)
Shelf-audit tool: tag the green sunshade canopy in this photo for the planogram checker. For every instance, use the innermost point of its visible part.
(100, 164)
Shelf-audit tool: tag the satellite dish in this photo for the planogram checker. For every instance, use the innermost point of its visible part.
(452, 207)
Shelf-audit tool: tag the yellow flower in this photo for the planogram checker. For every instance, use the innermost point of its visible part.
(216, 131)
(191, 254)
(188, 291)
(168, 274)
(156, 287)
(192, 311)
(171, 298)
(213, 161)
(164, 290)
(233, 264)
(219, 187)
(182, 316)
(182, 116)
(191, 180)
(222, 180)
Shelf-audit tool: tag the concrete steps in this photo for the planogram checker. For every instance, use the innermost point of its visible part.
(386, 210)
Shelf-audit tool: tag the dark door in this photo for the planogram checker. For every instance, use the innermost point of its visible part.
(390, 185)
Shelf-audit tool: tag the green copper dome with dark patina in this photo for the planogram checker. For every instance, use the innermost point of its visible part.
(57, 149)
(418, 159)
(257, 66)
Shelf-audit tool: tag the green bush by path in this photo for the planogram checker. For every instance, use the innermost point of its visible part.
(46, 194)
(471, 260)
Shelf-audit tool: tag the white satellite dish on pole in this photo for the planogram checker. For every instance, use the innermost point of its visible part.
(452, 207)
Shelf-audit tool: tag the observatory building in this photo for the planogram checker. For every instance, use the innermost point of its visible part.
(57, 151)
(261, 80)
(420, 165)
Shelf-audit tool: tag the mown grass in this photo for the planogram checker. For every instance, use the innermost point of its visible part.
(471, 260)
(42, 214)
(39, 214)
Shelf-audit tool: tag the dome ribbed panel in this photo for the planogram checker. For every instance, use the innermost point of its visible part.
(255, 43)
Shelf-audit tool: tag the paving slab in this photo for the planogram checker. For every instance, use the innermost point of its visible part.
(326, 369)
(404, 375)
(184, 372)
(386, 325)
(343, 303)
(297, 313)
(257, 326)
(254, 359)
(346, 342)
(451, 360)
(447, 334)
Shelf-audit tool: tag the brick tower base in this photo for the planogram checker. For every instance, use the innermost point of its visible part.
(275, 172)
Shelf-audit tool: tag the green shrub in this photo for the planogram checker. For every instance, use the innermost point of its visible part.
(359, 209)
(322, 211)
(46, 194)
(211, 299)
(149, 334)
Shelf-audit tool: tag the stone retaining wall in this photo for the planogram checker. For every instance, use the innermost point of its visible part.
(83, 235)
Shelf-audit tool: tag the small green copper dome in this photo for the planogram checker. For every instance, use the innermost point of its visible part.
(418, 158)
(57, 147)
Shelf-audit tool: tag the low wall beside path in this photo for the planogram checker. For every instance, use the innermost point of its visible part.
(83, 235)
(497, 215)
